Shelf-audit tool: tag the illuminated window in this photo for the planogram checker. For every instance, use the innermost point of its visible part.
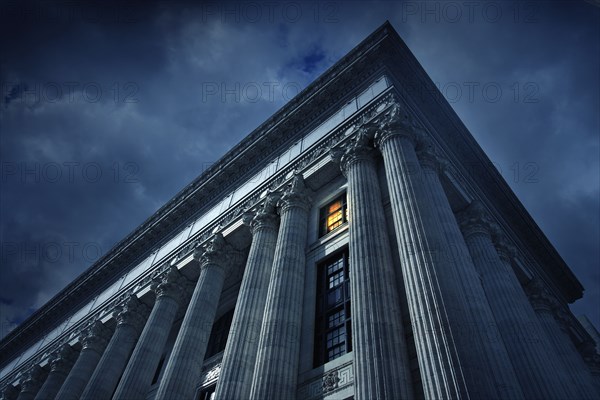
(332, 321)
(333, 215)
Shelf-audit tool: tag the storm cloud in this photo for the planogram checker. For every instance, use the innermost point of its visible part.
(109, 109)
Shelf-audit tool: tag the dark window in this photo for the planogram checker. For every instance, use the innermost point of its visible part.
(333, 215)
(207, 393)
(218, 335)
(332, 323)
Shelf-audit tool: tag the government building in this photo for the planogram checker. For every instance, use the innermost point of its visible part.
(358, 244)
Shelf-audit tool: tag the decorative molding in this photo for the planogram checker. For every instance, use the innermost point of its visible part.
(296, 195)
(328, 383)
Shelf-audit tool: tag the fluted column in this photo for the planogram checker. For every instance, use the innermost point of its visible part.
(484, 357)
(380, 353)
(570, 357)
(182, 373)
(276, 370)
(94, 342)
(524, 337)
(592, 360)
(32, 382)
(61, 364)
(544, 305)
(235, 378)
(137, 378)
(130, 317)
(441, 369)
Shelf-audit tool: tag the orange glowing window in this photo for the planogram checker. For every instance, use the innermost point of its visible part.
(333, 215)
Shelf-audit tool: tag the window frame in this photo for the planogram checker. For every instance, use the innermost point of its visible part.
(327, 309)
(324, 215)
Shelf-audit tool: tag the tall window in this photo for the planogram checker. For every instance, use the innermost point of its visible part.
(333, 215)
(218, 334)
(332, 325)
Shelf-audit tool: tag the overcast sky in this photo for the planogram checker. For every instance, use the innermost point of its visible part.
(108, 111)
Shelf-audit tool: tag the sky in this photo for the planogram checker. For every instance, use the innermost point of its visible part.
(107, 110)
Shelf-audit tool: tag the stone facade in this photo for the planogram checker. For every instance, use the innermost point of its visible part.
(446, 289)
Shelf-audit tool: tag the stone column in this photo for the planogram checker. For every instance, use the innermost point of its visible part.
(130, 317)
(235, 378)
(439, 362)
(10, 392)
(524, 337)
(485, 360)
(93, 343)
(137, 378)
(61, 364)
(276, 370)
(576, 367)
(32, 382)
(379, 346)
(184, 367)
(592, 360)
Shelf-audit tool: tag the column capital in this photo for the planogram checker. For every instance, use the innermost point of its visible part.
(216, 252)
(428, 155)
(95, 337)
(474, 220)
(395, 122)
(33, 379)
(539, 296)
(296, 195)
(63, 359)
(359, 148)
(591, 357)
(170, 284)
(266, 216)
(505, 249)
(132, 312)
(10, 392)
(561, 314)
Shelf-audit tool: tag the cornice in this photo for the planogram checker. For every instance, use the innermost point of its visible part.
(286, 125)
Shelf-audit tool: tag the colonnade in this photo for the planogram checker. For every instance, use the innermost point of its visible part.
(476, 332)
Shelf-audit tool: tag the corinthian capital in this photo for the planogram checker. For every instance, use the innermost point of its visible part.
(95, 337)
(395, 122)
(358, 149)
(170, 284)
(215, 252)
(33, 379)
(474, 219)
(63, 359)
(296, 195)
(10, 392)
(505, 249)
(132, 312)
(539, 296)
(428, 155)
(266, 217)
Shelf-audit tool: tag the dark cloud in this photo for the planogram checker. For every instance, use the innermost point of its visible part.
(149, 94)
